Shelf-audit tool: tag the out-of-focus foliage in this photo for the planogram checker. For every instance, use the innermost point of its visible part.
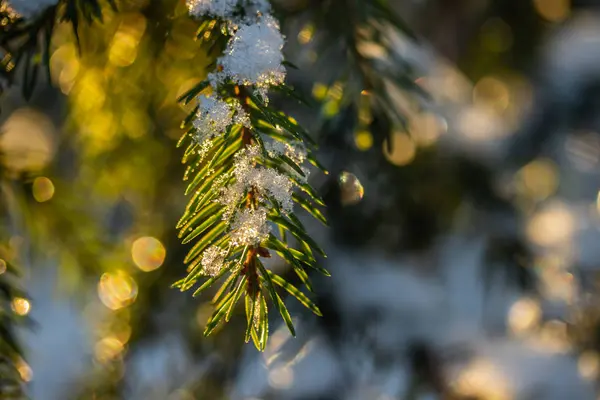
(25, 40)
(14, 305)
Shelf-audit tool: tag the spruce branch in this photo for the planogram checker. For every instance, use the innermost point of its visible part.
(246, 162)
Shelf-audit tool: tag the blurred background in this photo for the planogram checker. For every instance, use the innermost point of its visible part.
(463, 143)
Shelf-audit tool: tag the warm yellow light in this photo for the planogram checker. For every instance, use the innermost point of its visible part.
(553, 10)
(101, 128)
(89, 91)
(2, 266)
(371, 50)
(524, 315)
(306, 34)
(480, 123)
(319, 91)
(363, 140)
(351, 190)
(552, 226)
(64, 67)
(123, 50)
(25, 370)
(336, 91)
(148, 253)
(134, 24)
(403, 149)
(588, 365)
(483, 380)
(43, 189)
(281, 377)
(21, 306)
(426, 128)
(117, 290)
(27, 140)
(108, 349)
(557, 284)
(330, 108)
(493, 93)
(538, 179)
(554, 337)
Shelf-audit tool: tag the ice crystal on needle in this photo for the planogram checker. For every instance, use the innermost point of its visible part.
(214, 117)
(212, 260)
(250, 227)
(296, 151)
(263, 182)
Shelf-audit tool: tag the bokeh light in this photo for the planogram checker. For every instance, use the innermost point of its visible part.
(363, 140)
(20, 306)
(123, 50)
(306, 34)
(64, 67)
(554, 337)
(524, 315)
(2, 266)
(481, 379)
(538, 180)
(553, 225)
(553, 10)
(588, 365)
(107, 349)
(426, 128)
(281, 377)
(351, 190)
(403, 149)
(558, 284)
(27, 140)
(24, 370)
(43, 189)
(319, 91)
(493, 93)
(148, 253)
(117, 290)
(480, 123)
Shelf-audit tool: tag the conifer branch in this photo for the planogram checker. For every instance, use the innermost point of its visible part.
(246, 161)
